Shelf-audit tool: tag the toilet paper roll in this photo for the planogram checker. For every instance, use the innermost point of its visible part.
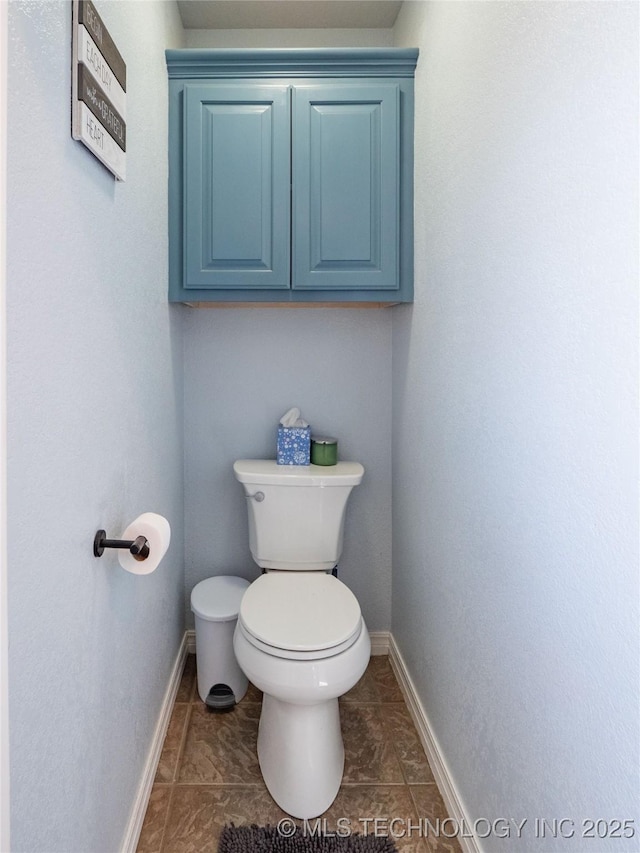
(156, 530)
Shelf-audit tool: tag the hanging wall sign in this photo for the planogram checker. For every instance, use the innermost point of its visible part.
(98, 89)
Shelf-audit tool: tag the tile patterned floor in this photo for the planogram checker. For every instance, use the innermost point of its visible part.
(208, 773)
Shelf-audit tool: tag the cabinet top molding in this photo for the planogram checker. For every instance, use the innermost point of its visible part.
(284, 62)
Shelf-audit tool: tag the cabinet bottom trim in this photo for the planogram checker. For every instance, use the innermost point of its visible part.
(290, 304)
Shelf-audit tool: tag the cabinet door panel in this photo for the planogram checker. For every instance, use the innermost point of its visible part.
(236, 184)
(345, 186)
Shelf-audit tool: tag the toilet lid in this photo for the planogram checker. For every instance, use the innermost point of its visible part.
(300, 611)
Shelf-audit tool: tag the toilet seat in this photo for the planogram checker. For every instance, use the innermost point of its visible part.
(289, 654)
(300, 615)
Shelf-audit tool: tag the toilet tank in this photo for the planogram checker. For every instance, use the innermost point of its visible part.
(299, 523)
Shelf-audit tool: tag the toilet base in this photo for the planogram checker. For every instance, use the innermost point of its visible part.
(301, 754)
(300, 747)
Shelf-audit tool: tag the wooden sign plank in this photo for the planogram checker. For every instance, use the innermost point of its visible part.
(95, 136)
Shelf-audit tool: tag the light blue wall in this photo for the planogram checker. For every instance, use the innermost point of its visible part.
(244, 368)
(515, 379)
(95, 434)
(277, 38)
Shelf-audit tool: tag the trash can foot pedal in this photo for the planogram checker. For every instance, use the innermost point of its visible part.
(220, 698)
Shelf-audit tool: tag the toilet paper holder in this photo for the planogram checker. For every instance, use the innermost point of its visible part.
(139, 546)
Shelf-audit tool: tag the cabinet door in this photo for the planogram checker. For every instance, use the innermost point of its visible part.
(236, 186)
(346, 186)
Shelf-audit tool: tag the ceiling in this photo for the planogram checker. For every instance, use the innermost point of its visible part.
(287, 14)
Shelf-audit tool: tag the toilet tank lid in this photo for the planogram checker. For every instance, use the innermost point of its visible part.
(269, 473)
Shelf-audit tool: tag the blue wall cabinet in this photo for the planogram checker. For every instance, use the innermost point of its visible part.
(291, 176)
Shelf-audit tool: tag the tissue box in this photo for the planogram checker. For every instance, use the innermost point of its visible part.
(294, 445)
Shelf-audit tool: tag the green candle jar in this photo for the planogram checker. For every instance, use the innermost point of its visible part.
(324, 451)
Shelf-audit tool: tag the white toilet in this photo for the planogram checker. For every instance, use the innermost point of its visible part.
(300, 636)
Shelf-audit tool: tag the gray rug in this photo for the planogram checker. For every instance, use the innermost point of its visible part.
(267, 839)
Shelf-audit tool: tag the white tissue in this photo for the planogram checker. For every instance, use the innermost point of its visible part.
(292, 419)
(156, 530)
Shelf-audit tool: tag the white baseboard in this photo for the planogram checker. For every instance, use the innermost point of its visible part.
(379, 642)
(441, 773)
(190, 639)
(132, 833)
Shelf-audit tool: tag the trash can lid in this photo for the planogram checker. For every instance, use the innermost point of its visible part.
(218, 599)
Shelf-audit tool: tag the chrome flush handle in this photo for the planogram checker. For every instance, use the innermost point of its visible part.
(256, 496)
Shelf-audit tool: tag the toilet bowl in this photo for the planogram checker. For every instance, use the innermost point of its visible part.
(300, 747)
(300, 636)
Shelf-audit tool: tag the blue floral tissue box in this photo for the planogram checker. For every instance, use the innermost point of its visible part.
(294, 445)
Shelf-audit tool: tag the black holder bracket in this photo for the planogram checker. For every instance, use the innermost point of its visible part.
(139, 547)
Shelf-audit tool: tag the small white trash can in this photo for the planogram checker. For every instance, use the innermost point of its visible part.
(215, 603)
